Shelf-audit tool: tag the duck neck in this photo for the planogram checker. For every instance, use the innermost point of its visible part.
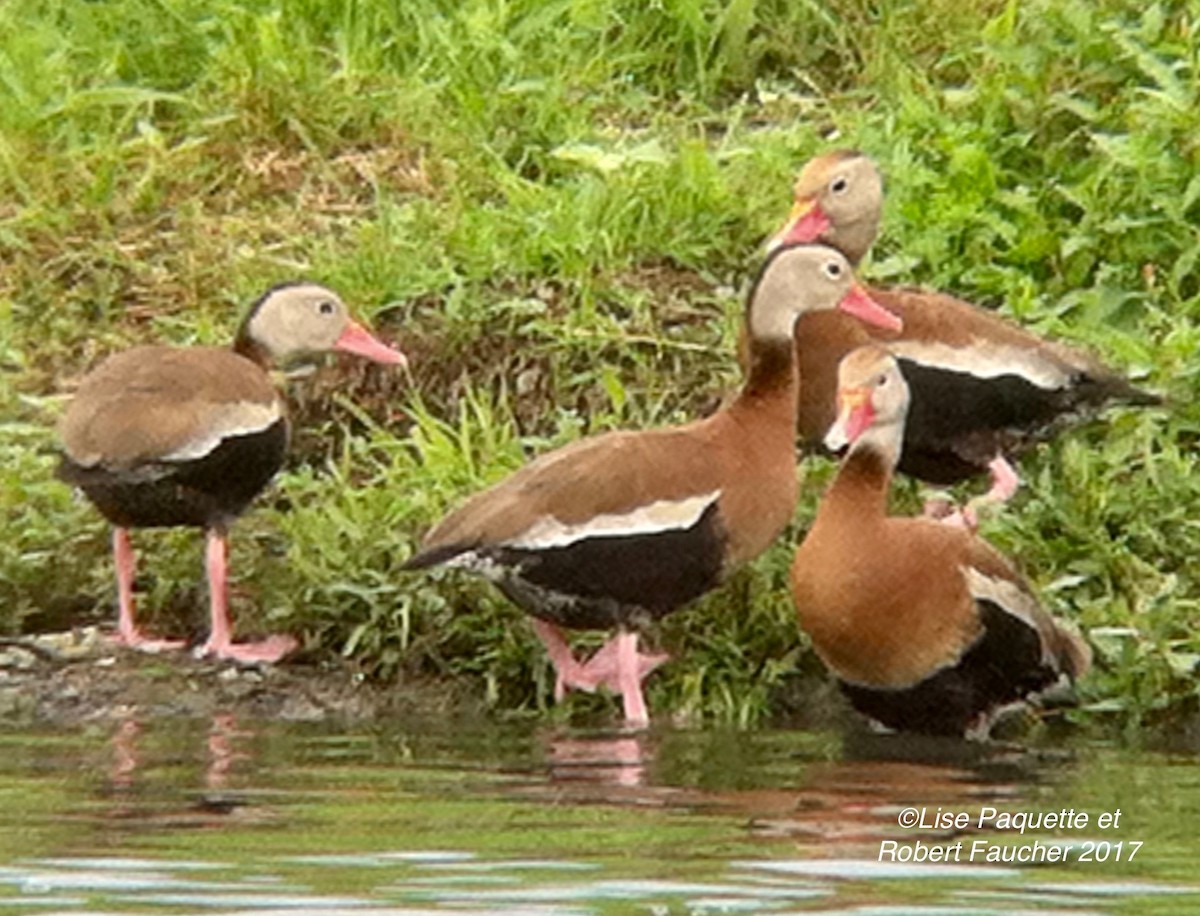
(860, 490)
(855, 239)
(771, 382)
(247, 346)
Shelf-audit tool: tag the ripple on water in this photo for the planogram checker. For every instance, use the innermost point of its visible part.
(867, 870)
(15, 902)
(520, 865)
(700, 896)
(1113, 888)
(342, 838)
(102, 863)
(383, 859)
(40, 882)
(313, 902)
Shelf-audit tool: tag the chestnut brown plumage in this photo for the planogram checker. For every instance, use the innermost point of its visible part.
(625, 527)
(983, 388)
(926, 626)
(160, 436)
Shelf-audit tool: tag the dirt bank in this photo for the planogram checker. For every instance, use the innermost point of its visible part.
(79, 676)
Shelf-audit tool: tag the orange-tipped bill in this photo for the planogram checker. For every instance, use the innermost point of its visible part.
(864, 308)
(806, 223)
(358, 340)
(855, 415)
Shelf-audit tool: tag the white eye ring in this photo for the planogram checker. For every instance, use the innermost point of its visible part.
(326, 307)
(839, 185)
(833, 270)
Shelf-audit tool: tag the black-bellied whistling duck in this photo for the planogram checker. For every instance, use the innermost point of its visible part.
(983, 389)
(926, 626)
(164, 436)
(626, 527)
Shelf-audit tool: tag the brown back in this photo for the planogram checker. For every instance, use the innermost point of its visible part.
(746, 454)
(143, 404)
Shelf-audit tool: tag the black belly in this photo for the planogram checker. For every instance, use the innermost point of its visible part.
(604, 582)
(207, 492)
(1003, 666)
(958, 422)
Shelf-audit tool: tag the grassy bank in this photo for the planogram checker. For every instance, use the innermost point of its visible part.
(554, 207)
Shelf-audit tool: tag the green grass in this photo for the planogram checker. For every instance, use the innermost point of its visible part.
(555, 206)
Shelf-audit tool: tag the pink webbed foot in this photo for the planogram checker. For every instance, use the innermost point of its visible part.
(602, 668)
(617, 665)
(134, 639)
(620, 667)
(265, 652)
(568, 673)
(220, 640)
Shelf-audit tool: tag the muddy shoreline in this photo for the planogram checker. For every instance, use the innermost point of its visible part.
(78, 677)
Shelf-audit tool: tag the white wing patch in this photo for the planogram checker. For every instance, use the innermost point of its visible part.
(664, 515)
(1014, 600)
(238, 418)
(473, 562)
(986, 360)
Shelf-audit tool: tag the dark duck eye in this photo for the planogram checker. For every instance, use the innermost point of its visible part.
(839, 185)
(325, 307)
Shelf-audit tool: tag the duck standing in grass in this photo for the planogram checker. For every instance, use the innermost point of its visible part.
(926, 627)
(164, 436)
(626, 527)
(983, 389)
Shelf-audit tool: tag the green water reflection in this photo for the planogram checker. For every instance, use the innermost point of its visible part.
(232, 816)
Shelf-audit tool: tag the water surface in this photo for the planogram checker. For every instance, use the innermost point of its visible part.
(235, 816)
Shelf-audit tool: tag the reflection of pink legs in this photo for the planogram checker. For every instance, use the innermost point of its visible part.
(568, 673)
(125, 754)
(221, 752)
(127, 632)
(1004, 484)
(220, 638)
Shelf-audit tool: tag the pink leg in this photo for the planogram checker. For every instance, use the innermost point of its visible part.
(1004, 484)
(220, 638)
(602, 668)
(568, 673)
(1004, 481)
(629, 681)
(127, 631)
(965, 518)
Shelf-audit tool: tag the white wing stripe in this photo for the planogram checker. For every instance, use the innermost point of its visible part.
(1010, 598)
(240, 418)
(664, 515)
(985, 361)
